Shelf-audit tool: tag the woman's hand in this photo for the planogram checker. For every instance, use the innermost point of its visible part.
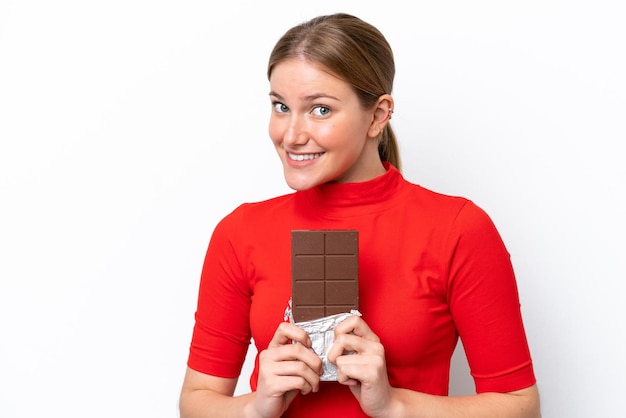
(360, 360)
(285, 369)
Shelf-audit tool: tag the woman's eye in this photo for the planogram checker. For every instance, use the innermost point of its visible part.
(280, 108)
(321, 110)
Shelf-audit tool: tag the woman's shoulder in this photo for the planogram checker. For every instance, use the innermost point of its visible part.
(454, 207)
(437, 200)
(259, 208)
(266, 205)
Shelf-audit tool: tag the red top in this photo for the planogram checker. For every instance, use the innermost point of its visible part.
(431, 268)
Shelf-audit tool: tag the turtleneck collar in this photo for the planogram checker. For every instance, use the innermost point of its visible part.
(350, 199)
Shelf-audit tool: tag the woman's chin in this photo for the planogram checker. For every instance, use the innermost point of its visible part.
(300, 182)
(299, 186)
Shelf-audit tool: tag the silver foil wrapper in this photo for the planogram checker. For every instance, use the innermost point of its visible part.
(322, 334)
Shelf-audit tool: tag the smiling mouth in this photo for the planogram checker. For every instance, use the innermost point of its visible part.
(304, 157)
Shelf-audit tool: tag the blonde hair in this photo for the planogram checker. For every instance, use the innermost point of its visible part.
(353, 50)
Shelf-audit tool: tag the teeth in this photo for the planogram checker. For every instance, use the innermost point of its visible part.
(302, 157)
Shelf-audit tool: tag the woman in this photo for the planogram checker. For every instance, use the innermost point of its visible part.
(431, 267)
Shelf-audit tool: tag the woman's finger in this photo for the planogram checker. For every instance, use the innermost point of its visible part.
(287, 333)
(364, 368)
(289, 367)
(292, 353)
(357, 326)
(350, 344)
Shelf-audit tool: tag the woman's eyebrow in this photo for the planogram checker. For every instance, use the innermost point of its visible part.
(278, 96)
(309, 97)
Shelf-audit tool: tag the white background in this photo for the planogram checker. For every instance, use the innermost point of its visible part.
(130, 128)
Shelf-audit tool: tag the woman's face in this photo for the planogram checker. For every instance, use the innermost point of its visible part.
(319, 129)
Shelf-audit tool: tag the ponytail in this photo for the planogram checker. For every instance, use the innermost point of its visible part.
(388, 147)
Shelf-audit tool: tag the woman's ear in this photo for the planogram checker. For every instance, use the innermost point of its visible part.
(383, 109)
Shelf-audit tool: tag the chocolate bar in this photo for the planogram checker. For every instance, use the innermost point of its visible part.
(324, 273)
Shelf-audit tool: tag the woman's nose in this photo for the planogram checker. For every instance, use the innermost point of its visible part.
(296, 133)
